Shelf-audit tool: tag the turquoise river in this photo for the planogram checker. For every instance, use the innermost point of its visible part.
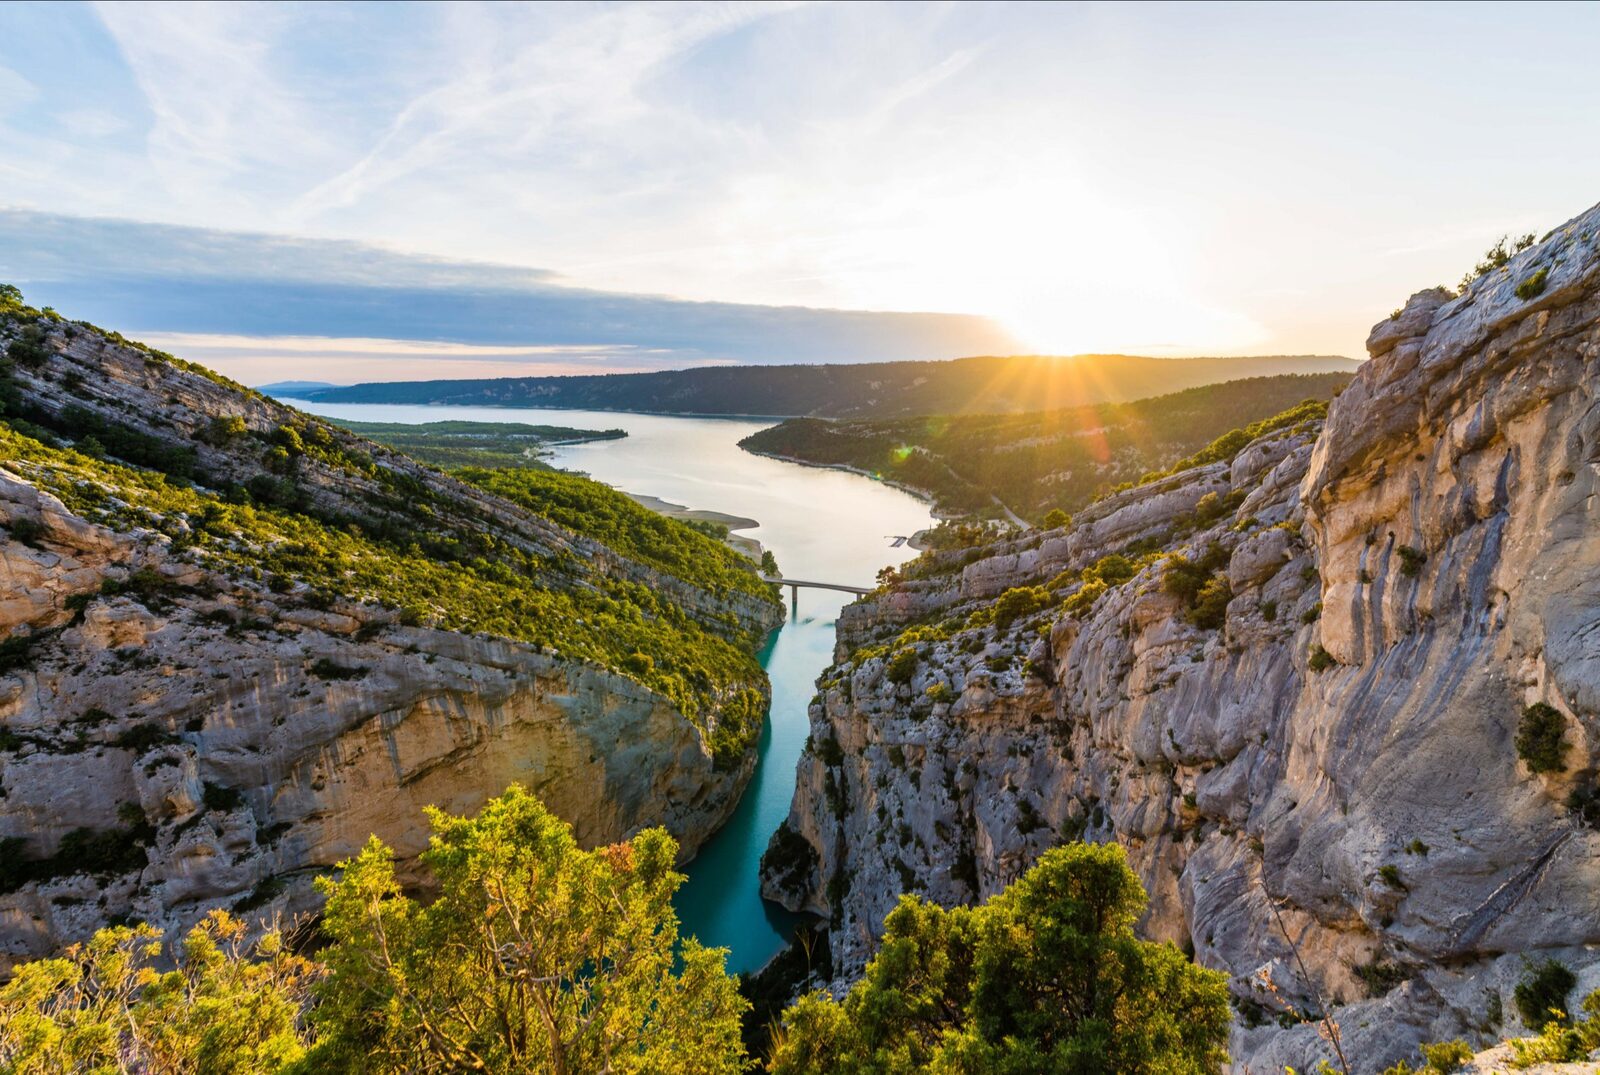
(821, 524)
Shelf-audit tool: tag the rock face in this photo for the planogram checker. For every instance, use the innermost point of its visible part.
(176, 735)
(1320, 787)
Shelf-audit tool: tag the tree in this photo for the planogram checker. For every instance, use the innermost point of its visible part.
(228, 1009)
(1047, 977)
(535, 956)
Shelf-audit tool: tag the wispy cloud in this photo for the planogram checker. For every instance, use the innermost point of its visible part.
(1087, 174)
(161, 279)
(262, 359)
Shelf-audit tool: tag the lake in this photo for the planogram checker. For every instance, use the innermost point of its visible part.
(825, 525)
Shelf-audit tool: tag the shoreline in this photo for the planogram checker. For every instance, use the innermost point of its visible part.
(746, 546)
(917, 540)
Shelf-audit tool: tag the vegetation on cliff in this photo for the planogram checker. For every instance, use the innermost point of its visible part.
(539, 956)
(1058, 460)
(1047, 976)
(425, 546)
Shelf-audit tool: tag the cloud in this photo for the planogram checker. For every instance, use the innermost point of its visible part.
(159, 279)
(260, 359)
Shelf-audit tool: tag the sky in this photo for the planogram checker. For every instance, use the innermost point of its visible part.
(376, 192)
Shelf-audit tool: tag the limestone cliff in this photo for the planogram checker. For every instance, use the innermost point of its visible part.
(1304, 729)
(180, 730)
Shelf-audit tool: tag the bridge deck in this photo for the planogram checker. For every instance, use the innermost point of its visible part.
(820, 585)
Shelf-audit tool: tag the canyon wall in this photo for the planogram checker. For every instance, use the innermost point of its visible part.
(179, 732)
(1313, 767)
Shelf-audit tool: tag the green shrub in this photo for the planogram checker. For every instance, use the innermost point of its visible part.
(27, 531)
(829, 752)
(287, 437)
(222, 431)
(1533, 286)
(1047, 976)
(1389, 873)
(940, 693)
(1321, 660)
(1447, 1057)
(142, 738)
(324, 668)
(1539, 739)
(29, 348)
(1211, 603)
(1411, 560)
(1113, 570)
(902, 666)
(1084, 597)
(221, 799)
(1541, 994)
(1056, 519)
(1497, 257)
(1380, 977)
(1561, 1042)
(1017, 602)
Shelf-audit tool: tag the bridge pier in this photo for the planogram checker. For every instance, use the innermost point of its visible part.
(794, 603)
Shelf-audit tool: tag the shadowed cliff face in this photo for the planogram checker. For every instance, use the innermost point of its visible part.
(179, 732)
(1332, 759)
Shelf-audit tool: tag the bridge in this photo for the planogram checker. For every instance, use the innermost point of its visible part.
(796, 584)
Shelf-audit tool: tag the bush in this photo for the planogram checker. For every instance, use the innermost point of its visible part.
(1084, 597)
(1533, 286)
(1321, 660)
(108, 1006)
(142, 738)
(1379, 977)
(1541, 995)
(940, 692)
(1411, 560)
(1017, 602)
(28, 531)
(29, 348)
(1056, 519)
(1446, 1057)
(902, 666)
(221, 799)
(1211, 603)
(222, 431)
(1539, 739)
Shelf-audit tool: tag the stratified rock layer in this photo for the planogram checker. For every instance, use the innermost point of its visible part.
(1334, 765)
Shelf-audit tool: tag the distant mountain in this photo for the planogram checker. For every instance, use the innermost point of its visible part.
(293, 388)
(988, 385)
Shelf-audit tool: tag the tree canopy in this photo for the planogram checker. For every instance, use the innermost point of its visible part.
(535, 956)
(1046, 977)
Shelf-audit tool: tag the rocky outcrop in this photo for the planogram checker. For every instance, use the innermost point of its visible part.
(179, 733)
(1320, 787)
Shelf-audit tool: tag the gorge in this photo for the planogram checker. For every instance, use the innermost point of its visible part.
(1334, 693)
(1329, 681)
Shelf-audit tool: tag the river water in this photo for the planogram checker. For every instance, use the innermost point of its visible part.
(823, 525)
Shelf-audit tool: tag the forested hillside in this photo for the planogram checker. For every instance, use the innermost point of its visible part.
(1034, 463)
(984, 385)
